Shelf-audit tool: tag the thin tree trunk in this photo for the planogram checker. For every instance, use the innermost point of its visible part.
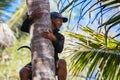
(42, 49)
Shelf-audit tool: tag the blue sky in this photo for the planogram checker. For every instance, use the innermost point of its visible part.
(10, 9)
(76, 13)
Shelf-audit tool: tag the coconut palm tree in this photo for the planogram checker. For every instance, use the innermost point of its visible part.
(105, 6)
(47, 58)
(90, 53)
(42, 49)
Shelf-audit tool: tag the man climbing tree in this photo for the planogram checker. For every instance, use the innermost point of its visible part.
(57, 41)
(43, 67)
(42, 50)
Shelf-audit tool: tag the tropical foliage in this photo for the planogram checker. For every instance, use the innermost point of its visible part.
(99, 53)
(88, 50)
(13, 23)
(96, 54)
(11, 60)
(100, 9)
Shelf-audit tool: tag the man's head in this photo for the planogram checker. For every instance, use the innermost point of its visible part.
(57, 19)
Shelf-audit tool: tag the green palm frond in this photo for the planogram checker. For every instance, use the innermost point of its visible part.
(116, 35)
(93, 39)
(112, 20)
(104, 5)
(18, 16)
(13, 23)
(100, 62)
(106, 63)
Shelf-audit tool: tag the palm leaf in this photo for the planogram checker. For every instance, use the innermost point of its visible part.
(109, 63)
(18, 16)
(97, 60)
(110, 21)
(116, 35)
(101, 6)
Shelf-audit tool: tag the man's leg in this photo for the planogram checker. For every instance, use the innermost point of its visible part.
(61, 69)
(25, 72)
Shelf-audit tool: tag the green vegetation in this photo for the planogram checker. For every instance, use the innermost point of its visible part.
(89, 51)
(89, 54)
(11, 60)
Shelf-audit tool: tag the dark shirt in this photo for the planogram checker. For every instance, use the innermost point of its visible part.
(26, 25)
(58, 44)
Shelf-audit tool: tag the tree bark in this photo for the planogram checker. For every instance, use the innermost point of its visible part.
(43, 67)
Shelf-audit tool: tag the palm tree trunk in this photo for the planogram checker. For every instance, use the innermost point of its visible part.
(42, 50)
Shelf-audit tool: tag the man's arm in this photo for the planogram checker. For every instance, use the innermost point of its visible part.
(49, 35)
(26, 25)
(29, 20)
(57, 40)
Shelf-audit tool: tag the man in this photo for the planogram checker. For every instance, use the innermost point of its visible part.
(58, 43)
